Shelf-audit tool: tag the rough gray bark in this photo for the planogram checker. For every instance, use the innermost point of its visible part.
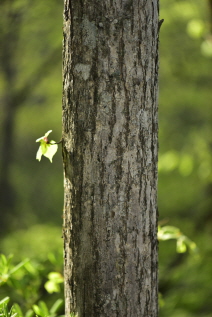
(110, 80)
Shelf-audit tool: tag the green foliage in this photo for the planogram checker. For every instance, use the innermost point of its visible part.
(53, 283)
(42, 310)
(185, 160)
(8, 274)
(26, 279)
(37, 310)
(4, 310)
(7, 270)
(183, 242)
(12, 276)
(47, 148)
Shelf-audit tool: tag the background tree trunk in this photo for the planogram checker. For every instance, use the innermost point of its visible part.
(110, 126)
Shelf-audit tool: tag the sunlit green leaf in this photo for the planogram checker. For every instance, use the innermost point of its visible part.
(48, 149)
(51, 150)
(55, 276)
(29, 313)
(52, 287)
(3, 259)
(55, 279)
(44, 146)
(168, 232)
(17, 309)
(181, 246)
(43, 308)
(171, 232)
(37, 310)
(18, 266)
(4, 301)
(39, 154)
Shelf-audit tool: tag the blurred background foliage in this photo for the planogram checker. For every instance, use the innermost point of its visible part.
(185, 162)
(32, 192)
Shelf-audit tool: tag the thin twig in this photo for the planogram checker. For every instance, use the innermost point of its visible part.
(57, 142)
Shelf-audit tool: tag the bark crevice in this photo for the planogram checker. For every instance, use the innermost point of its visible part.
(110, 56)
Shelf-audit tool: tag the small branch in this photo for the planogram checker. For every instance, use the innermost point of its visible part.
(57, 142)
(160, 23)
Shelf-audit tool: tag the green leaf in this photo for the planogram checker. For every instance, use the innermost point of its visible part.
(56, 306)
(52, 285)
(37, 310)
(45, 135)
(168, 232)
(39, 154)
(44, 146)
(18, 266)
(3, 259)
(181, 246)
(17, 309)
(48, 149)
(182, 241)
(43, 308)
(4, 301)
(56, 277)
(29, 313)
(51, 150)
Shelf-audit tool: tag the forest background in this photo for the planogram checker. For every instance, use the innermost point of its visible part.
(31, 201)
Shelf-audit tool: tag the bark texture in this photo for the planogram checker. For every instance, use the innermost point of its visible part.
(110, 127)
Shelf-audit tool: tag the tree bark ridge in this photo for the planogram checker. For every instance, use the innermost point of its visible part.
(110, 146)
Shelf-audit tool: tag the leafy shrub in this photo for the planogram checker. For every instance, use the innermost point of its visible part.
(23, 281)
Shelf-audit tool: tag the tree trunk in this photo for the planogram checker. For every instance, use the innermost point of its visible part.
(110, 127)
